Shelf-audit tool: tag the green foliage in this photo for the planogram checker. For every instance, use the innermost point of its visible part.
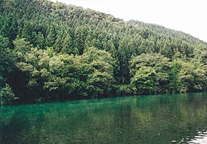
(101, 78)
(7, 60)
(174, 84)
(150, 73)
(192, 77)
(201, 53)
(144, 81)
(54, 73)
(63, 52)
(166, 32)
(6, 95)
(8, 4)
(99, 83)
(21, 47)
(125, 90)
(7, 57)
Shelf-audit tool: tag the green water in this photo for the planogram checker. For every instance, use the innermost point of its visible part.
(160, 119)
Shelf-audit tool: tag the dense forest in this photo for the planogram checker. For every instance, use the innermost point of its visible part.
(53, 51)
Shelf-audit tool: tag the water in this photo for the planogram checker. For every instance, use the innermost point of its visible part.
(160, 119)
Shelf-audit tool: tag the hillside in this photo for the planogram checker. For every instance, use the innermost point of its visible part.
(53, 51)
(167, 32)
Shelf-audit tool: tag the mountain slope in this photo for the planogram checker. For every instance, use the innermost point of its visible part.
(66, 52)
(167, 32)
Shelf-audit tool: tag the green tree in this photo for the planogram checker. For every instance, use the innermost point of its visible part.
(192, 76)
(159, 63)
(144, 81)
(100, 80)
(6, 95)
(51, 36)
(7, 60)
(68, 46)
(40, 40)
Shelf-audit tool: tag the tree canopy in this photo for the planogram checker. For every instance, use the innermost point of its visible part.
(53, 51)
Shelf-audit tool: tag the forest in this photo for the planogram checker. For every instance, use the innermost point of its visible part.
(56, 52)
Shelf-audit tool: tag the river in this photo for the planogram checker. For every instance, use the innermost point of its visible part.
(154, 119)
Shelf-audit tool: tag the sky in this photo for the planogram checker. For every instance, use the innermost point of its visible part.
(189, 16)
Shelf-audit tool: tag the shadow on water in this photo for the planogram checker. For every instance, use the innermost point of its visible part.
(18, 124)
(21, 128)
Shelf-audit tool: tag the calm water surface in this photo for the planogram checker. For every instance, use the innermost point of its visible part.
(160, 119)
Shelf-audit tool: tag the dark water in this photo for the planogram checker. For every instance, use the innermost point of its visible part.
(161, 119)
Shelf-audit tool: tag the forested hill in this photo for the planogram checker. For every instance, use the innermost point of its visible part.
(53, 51)
(167, 32)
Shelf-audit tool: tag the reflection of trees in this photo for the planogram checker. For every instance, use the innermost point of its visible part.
(122, 123)
(170, 118)
(147, 119)
(11, 131)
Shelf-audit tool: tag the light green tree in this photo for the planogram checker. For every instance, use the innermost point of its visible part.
(144, 81)
(6, 95)
(159, 66)
(192, 76)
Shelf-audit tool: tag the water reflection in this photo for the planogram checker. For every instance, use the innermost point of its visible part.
(126, 120)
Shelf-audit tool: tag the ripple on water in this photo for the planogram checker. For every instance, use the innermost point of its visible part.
(200, 139)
